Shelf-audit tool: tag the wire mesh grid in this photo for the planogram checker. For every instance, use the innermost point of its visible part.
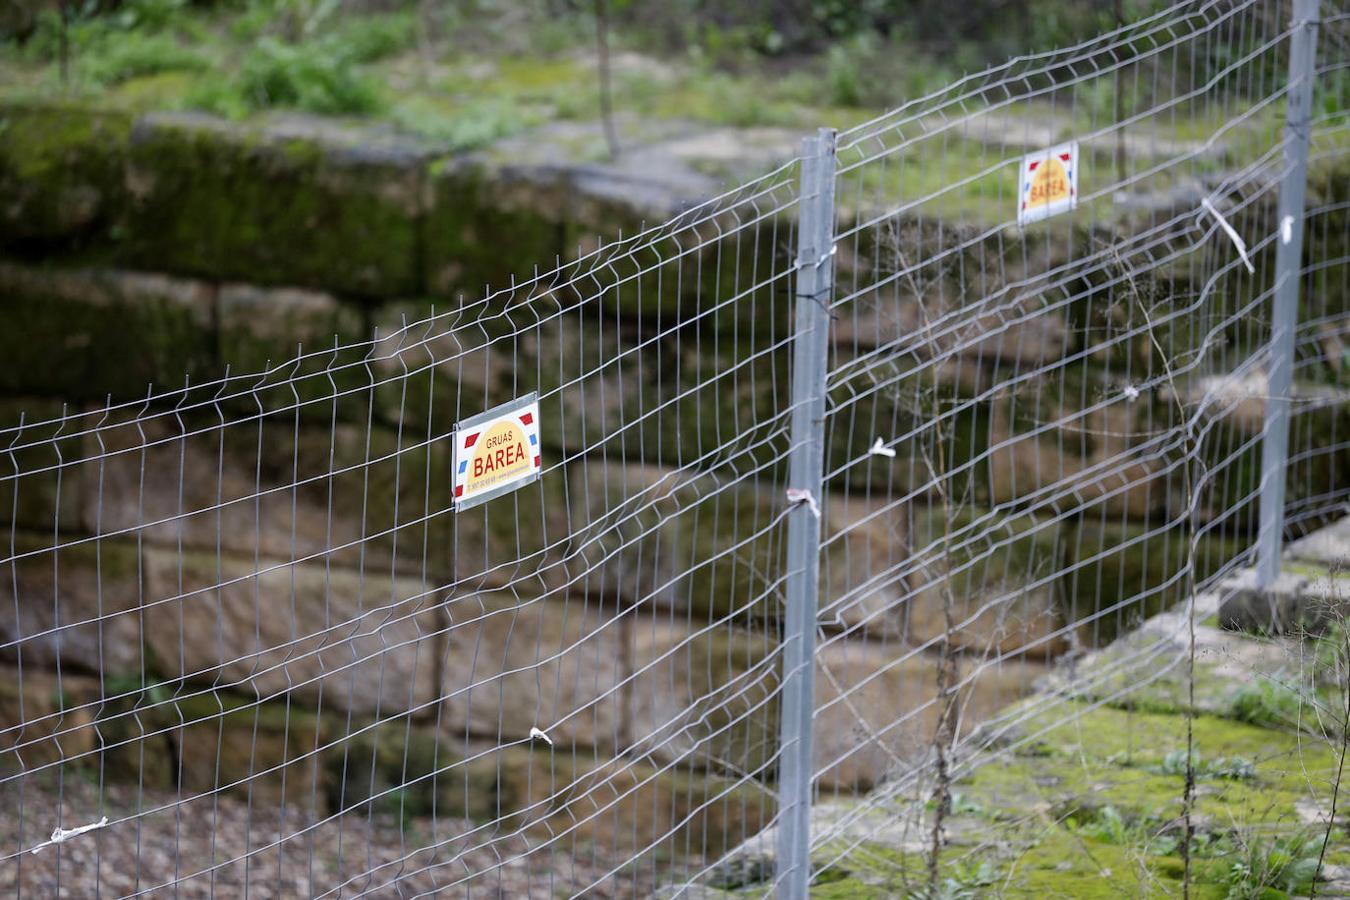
(255, 645)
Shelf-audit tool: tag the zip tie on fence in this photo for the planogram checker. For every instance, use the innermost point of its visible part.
(1131, 393)
(536, 733)
(1286, 229)
(797, 496)
(61, 835)
(1232, 234)
(880, 449)
(834, 248)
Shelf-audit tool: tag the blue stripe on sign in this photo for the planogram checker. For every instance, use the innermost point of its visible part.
(534, 439)
(464, 464)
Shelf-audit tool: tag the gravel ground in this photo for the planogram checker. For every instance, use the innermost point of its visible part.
(198, 849)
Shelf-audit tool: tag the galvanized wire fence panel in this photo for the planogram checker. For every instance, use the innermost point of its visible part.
(249, 628)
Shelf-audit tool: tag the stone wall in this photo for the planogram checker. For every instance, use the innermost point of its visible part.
(292, 594)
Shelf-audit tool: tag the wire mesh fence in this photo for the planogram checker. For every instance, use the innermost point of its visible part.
(257, 647)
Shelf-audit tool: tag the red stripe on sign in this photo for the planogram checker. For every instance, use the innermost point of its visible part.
(1064, 156)
(536, 462)
(1031, 166)
(526, 418)
(468, 441)
(459, 490)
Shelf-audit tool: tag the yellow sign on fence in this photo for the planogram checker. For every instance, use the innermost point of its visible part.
(497, 451)
(1049, 183)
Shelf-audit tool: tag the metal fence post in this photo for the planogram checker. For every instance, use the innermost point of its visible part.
(1288, 264)
(815, 280)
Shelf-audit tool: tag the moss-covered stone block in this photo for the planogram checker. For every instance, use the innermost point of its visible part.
(290, 202)
(264, 753)
(85, 334)
(61, 175)
(499, 225)
(41, 493)
(1117, 573)
(483, 228)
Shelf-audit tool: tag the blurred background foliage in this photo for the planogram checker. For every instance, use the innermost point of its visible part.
(469, 73)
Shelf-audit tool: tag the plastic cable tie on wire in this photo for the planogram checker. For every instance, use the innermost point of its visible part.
(797, 496)
(1131, 393)
(880, 449)
(61, 835)
(834, 248)
(1232, 234)
(536, 733)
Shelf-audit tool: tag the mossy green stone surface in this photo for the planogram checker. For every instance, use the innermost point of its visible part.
(61, 171)
(256, 205)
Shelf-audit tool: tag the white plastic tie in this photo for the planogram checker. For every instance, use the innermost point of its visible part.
(801, 264)
(61, 835)
(880, 449)
(1287, 229)
(797, 496)
(1131, 393)
(1232, 234)
(536, 733)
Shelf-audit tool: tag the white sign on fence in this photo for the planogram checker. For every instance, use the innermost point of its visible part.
(497, 451)
(1049, 183)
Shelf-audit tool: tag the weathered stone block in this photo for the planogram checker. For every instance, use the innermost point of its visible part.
(46, 719)
(294, 202)
(555, 663)
(338, 494)
(605, 385)
(260, 328)
(713, 548)
(997, 573)
(878, 706)
(705, 696)
(708, 699)
(625, 804)
(74, 606)
(363, 642)
(1067, 450)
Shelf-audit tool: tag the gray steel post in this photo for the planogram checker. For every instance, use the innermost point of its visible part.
(1288, 264)
(815, 280)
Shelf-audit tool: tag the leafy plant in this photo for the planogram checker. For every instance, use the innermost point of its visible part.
(965, 882)
(1267, 702)
(313, 77)
(135, 54)
(1235, 767)
(1287, 863)
(467, 128)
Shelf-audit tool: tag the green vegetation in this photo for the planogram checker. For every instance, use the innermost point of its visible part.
(467, 75)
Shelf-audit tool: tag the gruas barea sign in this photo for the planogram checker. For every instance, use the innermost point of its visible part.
(1049, 183)
(497, 451)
